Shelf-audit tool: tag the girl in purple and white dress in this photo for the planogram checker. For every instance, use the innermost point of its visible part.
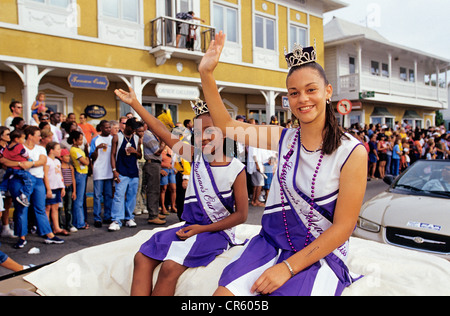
(216, 201)
(316, 193)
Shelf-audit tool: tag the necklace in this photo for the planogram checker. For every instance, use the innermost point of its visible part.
(310, 215)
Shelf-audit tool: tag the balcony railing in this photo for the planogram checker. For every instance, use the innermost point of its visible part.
(170, 35)
(350, 86)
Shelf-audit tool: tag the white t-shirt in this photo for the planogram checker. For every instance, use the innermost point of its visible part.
(55, 177)
(102, 169)
(34, 155)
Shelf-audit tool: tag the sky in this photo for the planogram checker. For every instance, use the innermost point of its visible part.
(420, 24)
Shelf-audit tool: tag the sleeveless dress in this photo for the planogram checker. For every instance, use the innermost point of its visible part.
(209, 198)
(330, 275)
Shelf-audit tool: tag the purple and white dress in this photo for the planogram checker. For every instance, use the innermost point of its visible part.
(209, 198)
(293, 219)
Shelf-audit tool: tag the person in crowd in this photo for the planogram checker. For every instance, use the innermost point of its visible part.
(6, 199)
(168, 181)
(54, 184)
(183, 172)
(396, 153)
(38, 107)
(153, 148)
(373, 155)
(37, 160)
(122, 123)
(88, 130)
(114, 127)
(255, 168)
(81, 163)
(382, 148)
(141, 207)
(15, 151)
(55, 120)
(102, 173)
(17, 123)
(16, 109)
(182, 28)
(68, 173)
(5, 261)
(166, 118)
(46, 137)
(125, 153)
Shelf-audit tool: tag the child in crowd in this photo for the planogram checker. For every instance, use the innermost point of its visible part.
(81, 164)
(68, 173)
(15, 151)
(54, 184)
(217, 183)
(38, 106)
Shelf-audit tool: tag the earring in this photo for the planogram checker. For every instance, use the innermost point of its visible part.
(329, 101)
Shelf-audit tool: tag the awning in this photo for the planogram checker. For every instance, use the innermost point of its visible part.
(381, 111)
(410, 114)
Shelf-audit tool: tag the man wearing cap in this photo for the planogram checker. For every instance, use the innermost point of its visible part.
(125, 153)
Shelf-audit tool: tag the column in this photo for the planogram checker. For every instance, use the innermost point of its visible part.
(390, 73)
(415, 78)
(138, 85)
(359, 49)
(270, 97)
(30, 77)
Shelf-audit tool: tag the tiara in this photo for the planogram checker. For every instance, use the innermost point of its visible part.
(199, 107)
(301, 55)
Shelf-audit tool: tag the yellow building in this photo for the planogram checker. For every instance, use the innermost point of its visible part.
(79, 51)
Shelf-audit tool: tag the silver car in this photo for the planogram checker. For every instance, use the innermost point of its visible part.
(414, 212)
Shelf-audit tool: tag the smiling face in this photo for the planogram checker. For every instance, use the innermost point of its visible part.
(308, 93)
(207, 136)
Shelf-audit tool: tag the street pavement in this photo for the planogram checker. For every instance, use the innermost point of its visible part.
(97, 236)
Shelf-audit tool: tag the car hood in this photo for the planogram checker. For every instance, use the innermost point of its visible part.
(423, 213)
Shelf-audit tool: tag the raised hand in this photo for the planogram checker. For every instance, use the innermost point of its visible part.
(126, 97)
(211, 58)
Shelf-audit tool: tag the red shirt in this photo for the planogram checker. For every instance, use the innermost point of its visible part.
(16, 153)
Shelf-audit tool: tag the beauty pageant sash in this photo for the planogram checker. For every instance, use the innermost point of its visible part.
(298, 201)
(211, 201)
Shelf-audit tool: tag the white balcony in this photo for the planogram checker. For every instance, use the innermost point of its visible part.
(391, 90)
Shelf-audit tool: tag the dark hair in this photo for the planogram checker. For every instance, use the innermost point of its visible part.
(332, 132)
(13, 105)
(17, 133)
(74, 135)
(50, 146)
(30, 130)
(16, 121)
(42, 125)
(133, 123)
(3, 129)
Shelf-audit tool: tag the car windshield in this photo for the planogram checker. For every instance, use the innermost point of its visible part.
(426, 176)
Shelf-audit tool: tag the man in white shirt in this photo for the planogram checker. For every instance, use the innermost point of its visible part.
(16, 109)
(55, 119)
(102, 173)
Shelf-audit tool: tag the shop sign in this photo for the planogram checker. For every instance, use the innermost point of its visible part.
(172, 91)
(86, 81)
(95, 111)
(344, 107)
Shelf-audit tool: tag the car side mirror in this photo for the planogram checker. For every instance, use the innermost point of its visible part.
(389, 179)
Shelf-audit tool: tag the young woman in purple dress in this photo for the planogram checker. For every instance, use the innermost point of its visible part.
(216, 201)
(316, 195)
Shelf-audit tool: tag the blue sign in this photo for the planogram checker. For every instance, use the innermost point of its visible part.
(95, 111)
(85, 81)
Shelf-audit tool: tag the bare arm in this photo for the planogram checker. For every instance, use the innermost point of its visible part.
(238, 217)
(155, 125)
(260, 136)
(351, 193)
